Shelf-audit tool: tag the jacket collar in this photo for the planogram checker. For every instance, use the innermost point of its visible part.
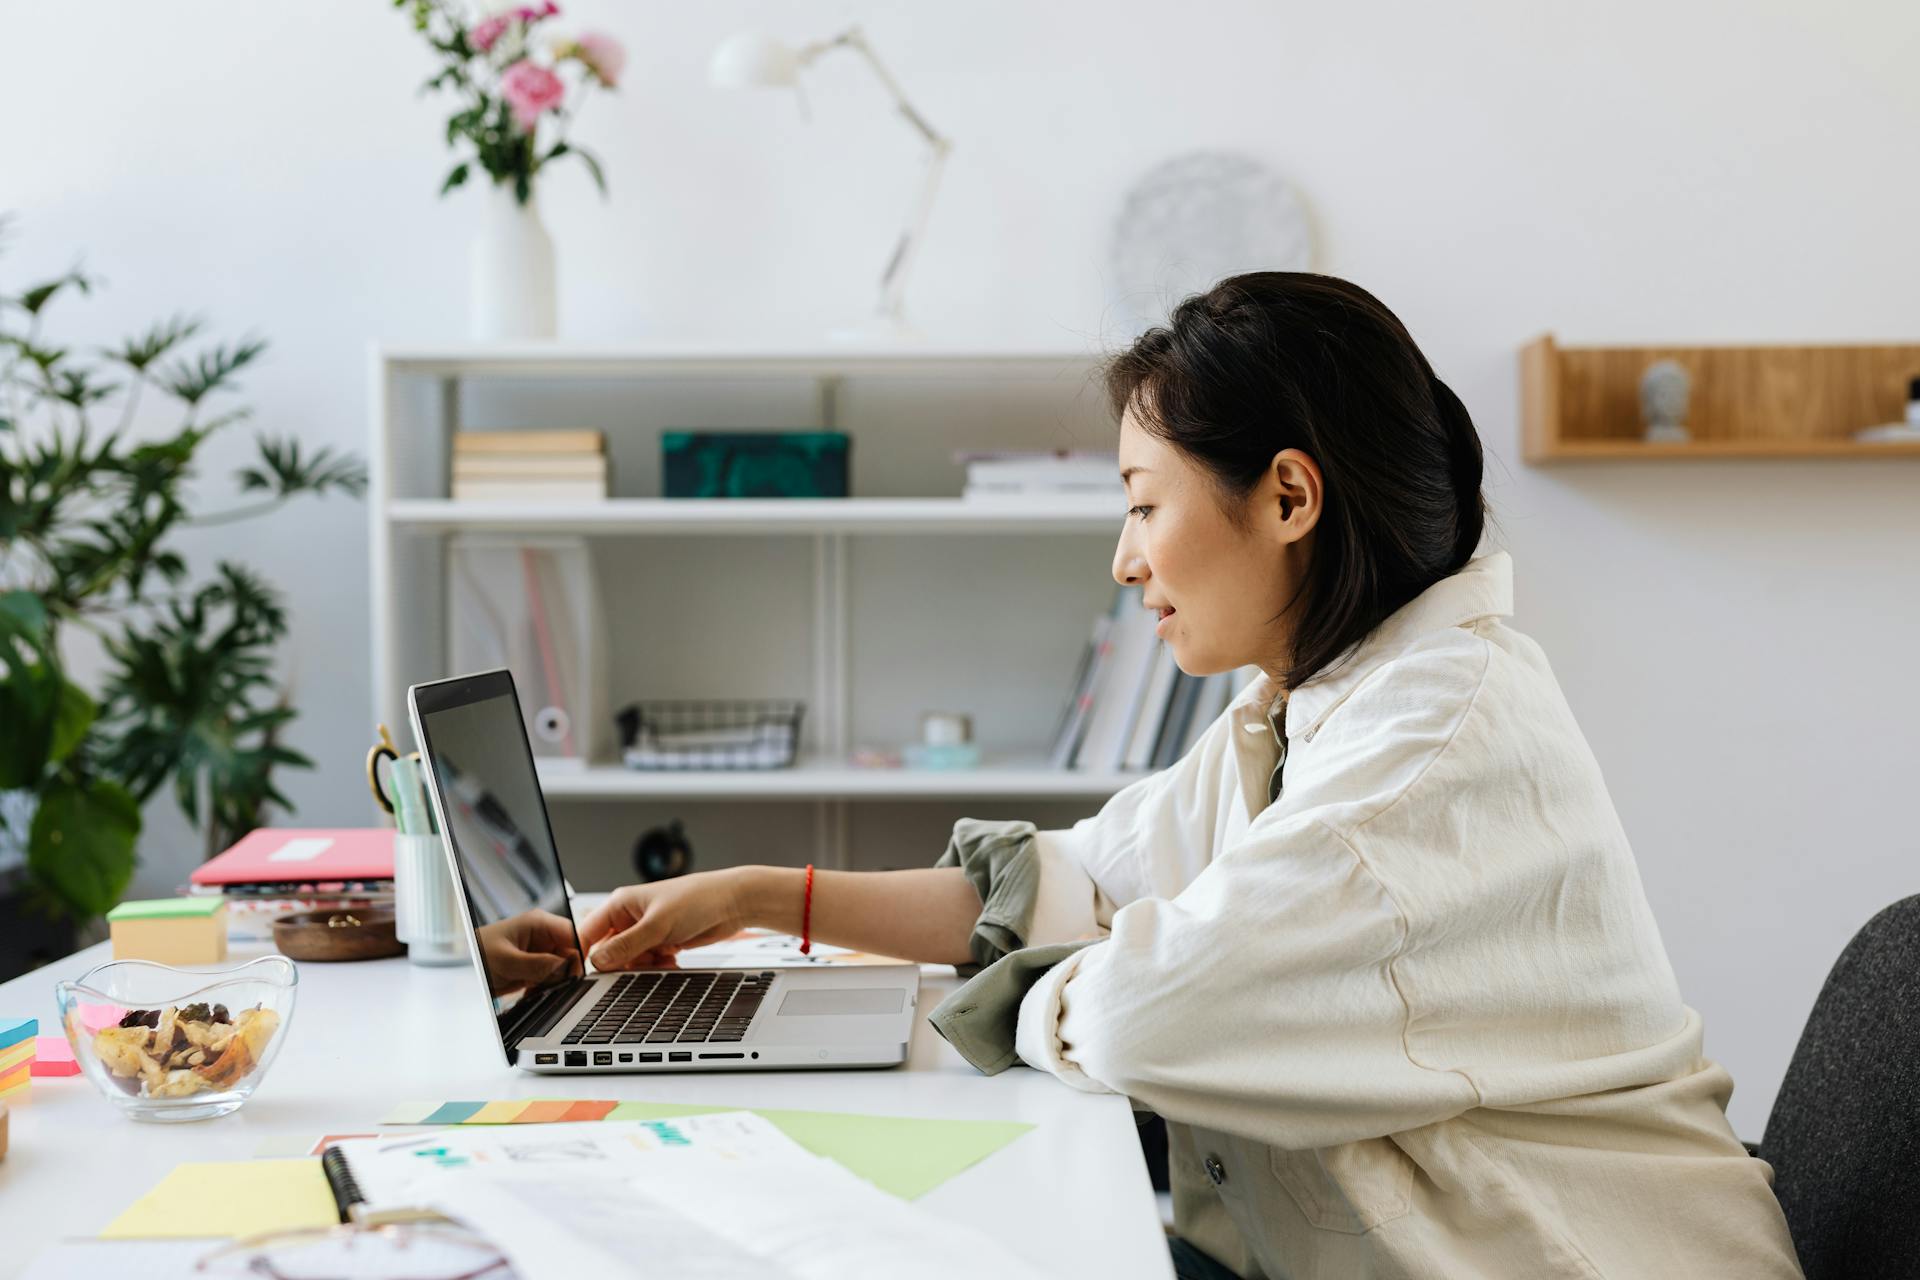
(1483, 589)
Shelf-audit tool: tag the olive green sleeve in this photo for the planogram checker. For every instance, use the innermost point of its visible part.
(999, 861)
(979, 1019)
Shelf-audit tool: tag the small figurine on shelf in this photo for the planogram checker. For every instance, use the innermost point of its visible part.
(946, 742)
(662, 853)
(1664, 391)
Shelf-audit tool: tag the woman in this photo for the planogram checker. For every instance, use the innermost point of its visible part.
(1376, 947)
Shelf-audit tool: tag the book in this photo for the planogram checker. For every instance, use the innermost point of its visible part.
(1073, 720)
(1154, 701)
(517, 466)
(1116, 698)
(294, 855)
(1171, 744)
(1212, 702)
(571, 441)
(555, 490)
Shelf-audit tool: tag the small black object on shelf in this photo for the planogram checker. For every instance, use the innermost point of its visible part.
(734, 733)
(662, 853)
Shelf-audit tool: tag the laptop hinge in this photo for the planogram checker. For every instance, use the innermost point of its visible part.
(537, 1017)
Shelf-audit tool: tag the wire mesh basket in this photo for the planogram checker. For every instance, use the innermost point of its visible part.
(729, 734)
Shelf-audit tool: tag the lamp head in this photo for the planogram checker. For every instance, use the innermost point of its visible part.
(754, 59)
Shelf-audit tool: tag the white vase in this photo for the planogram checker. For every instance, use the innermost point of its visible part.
(512, 270)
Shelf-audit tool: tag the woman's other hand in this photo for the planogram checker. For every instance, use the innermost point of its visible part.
(644, 925)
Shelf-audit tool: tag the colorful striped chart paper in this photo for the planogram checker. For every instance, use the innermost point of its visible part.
(904, 1155)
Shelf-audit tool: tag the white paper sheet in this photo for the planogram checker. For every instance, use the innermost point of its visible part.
(567, 1227)
(821, 1222)
(391, 1171)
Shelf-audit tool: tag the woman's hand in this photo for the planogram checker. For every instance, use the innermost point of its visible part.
(644, 925)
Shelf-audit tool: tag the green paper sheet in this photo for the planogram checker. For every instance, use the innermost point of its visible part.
(904, 1155)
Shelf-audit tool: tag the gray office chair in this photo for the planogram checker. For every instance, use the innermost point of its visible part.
(1844, 1136)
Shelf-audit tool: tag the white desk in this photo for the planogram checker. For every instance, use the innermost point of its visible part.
(1071, 1195)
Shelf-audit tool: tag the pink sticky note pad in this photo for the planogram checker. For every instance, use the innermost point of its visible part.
(94, 1017)
(53, 1056)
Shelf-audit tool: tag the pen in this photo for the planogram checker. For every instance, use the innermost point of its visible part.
(407, 800)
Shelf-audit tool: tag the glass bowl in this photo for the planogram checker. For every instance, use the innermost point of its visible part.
(178, 1044)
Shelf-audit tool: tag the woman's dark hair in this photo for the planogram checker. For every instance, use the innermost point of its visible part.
(1278, 360)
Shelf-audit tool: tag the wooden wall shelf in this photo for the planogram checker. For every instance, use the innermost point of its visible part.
(1583, 403)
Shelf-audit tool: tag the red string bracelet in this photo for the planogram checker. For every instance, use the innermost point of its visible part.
(806, 916)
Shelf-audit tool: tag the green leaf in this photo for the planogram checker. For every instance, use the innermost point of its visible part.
(141, 351)
(593, 167)
(80, 846)
(72, 717)
(193, 381)
(284, 472)
(29, 707)
(455, 178)
(34, 300)
(23, 614)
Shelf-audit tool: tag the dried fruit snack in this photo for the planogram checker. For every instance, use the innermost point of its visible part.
(177, 1051)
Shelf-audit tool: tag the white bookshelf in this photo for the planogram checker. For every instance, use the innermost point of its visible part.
(818, 776)
(749, 515)
(870, 608)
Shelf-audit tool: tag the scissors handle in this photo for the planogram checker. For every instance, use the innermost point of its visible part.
(375, 754)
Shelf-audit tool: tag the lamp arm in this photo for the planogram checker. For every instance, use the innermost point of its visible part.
(893, 278)
(855, 39)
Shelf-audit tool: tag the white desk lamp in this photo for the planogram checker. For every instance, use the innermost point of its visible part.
(753, 59)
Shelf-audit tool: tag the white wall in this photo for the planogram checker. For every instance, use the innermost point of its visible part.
(1738, 639)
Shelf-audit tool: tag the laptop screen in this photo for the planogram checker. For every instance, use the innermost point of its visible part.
(496, 824)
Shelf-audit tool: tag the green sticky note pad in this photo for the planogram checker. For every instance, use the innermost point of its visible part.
(166, 908)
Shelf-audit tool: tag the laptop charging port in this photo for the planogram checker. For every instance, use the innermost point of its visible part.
(546, 1059)
(576, 1058)
(679, 1057)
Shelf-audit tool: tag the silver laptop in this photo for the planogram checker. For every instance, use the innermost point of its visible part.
(493, 822)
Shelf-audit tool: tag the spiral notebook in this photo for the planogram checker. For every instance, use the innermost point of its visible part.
(393, 1178)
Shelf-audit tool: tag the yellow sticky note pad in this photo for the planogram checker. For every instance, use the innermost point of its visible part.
(229, 1198)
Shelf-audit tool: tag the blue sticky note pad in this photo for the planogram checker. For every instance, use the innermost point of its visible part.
(14, 1030)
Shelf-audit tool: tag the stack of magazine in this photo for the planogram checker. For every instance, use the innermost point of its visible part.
(1012, 473)
(1132, 708)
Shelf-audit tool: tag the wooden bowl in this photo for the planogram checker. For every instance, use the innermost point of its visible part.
(347, 934)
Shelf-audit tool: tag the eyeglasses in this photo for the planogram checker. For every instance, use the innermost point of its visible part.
(391, 1251)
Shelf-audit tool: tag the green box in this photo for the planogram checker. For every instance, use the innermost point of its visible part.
(754, 464)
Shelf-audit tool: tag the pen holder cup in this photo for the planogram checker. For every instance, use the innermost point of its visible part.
(426, 915)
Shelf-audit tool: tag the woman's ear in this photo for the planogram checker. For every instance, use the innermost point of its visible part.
(1294, 493)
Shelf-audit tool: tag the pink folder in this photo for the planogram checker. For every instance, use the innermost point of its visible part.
(274, 855)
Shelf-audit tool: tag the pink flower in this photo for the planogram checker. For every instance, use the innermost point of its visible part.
(602, 55)
(486, 33)
(530, 90)
(533, 13)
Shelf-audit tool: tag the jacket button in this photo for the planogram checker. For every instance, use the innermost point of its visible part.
(1216, 1172)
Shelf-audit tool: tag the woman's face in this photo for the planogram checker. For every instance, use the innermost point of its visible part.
(1219, 584)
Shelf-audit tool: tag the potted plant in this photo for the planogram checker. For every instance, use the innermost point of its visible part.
(88, 512)
(515, 111)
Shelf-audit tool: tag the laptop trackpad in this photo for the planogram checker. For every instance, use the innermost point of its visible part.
(813, 1001)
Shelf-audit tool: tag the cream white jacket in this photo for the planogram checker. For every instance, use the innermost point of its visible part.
(1413, 1018)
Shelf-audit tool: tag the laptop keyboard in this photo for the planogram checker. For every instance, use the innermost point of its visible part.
(673, 1008)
